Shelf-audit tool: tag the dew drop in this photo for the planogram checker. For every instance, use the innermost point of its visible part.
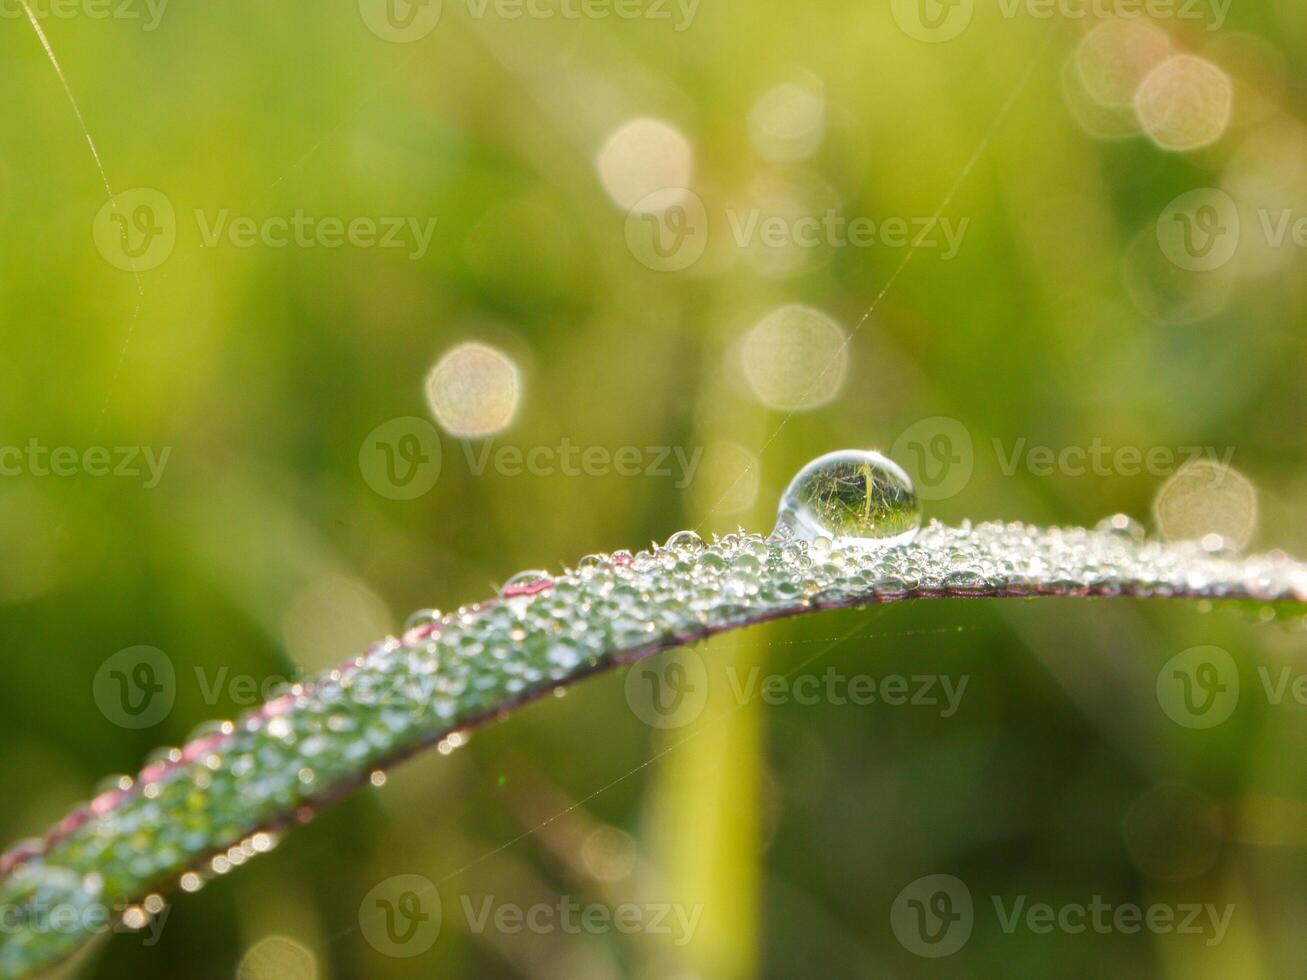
(208, 730)
(685, 543)
(423, 617)
(1122, 526)
(966, 582)
(112, 784)
(526, 583)
(856, 498)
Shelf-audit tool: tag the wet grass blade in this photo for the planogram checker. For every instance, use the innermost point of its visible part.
(222, 798)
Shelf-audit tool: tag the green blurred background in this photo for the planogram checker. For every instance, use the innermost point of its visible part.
(265, 549)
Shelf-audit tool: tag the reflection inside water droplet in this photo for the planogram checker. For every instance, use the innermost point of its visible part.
(855, 498)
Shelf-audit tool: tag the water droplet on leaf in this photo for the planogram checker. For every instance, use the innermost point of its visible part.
(423, 617)
(1122, 525)
(526, 583)
(856, 498)
(685, 543)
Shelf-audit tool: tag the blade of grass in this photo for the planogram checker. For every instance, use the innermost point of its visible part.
(218, 801)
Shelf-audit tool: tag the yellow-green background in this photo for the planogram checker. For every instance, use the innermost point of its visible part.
(264, 369)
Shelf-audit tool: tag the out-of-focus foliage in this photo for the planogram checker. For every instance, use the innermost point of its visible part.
(1074, 329)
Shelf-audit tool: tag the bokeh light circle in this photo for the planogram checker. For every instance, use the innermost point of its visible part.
(795, 358)
(1185, 103)
(788, 122)
(1206, 497)
(1116, 56)
(474, 391)
(646, 163)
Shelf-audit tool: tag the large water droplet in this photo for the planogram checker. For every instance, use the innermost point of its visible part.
(685, 543)
(854, 497)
